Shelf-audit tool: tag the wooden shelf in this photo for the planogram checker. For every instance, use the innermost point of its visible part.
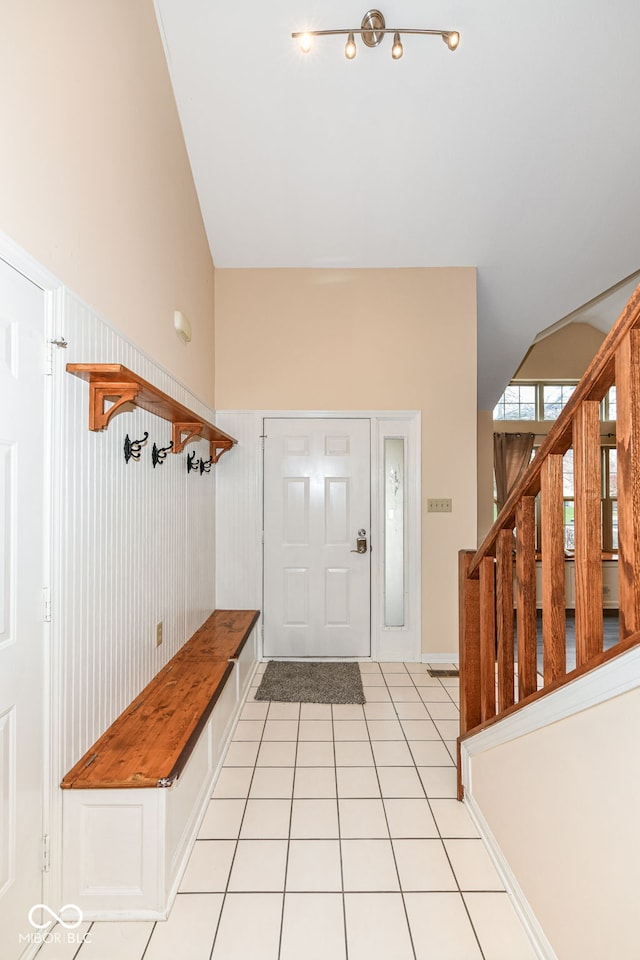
(112, 381)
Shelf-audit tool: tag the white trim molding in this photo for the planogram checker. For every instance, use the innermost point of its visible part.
(610, 680)
(397, 643)
(452, 658)
(24, 263)
(537, 936)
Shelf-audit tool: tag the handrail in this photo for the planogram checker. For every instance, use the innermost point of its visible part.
(597, 379)
(598, 661)
(503, 569)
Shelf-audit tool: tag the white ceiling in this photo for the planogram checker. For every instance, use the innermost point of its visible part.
(519, 153)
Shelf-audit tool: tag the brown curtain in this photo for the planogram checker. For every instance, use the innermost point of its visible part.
(511, 455)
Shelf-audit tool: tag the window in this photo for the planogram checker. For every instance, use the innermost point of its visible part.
(554, 398)
(567, 490)
(533, 401)
(542, 402)
(608, 411)
(518, 402)
(610, 499)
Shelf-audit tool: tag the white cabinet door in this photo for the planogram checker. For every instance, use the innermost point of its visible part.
(317, 589)
(21, 580)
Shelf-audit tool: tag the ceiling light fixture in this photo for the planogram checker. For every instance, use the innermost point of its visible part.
(372, 31)
(350, 49)
(306, 42)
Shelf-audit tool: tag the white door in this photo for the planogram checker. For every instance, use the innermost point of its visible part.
(22, 450)
(317, 588)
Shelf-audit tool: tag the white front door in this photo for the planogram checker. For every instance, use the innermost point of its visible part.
(317, 588)
(22, 450)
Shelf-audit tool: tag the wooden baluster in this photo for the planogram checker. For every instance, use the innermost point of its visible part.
(526, 596)
(588, 545)
(553, 588)
(487, 638)
(628, 445)
(469, 626)
(504, 613)
(469, 651)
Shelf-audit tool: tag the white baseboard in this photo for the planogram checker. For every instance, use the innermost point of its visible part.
(441, 658)
(537, 936)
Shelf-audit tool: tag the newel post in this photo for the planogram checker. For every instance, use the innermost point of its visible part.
(469, 651)
(628, 444)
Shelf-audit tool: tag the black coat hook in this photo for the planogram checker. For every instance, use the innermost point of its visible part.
(158, 454)
(205, 466)
(133, 448)
(192, 463)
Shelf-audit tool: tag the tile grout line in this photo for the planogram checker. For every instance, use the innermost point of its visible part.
(437, 826)
(384, 809)
(152, 931)
(446, 852)
(237, 840)
(335, 776)
(286, 866)
(77, 953)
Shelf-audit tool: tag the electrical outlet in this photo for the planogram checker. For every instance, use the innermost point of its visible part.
(158, 633)
(439, 506)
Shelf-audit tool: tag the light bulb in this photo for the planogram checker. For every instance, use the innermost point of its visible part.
(452, 39)
(350, 48)
(397, 49)
(306, 42)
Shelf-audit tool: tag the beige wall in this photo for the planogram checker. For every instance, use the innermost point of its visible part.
(368, 340)
(94, 178)
(565, 354)
(563, 805)
(485, 472)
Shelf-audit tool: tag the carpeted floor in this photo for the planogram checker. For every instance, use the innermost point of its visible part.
(295, 682)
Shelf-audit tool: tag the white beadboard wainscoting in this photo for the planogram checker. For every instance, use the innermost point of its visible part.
(239, 514)
(131, 545)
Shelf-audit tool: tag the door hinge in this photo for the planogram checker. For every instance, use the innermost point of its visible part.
(46, 854)
(46, 605)
(262, 536)
(59, 342)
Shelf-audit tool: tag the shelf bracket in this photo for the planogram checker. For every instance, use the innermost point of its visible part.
(193, 429)
(101, 391)
(113, 381)
(218, 447)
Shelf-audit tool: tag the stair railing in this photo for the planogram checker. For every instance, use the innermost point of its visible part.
(488, 589)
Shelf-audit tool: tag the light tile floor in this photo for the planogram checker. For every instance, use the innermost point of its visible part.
(333, 833)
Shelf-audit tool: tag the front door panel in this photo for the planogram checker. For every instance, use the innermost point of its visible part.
(317, 588)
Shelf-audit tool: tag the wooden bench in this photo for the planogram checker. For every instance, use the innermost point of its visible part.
(125, 842)
(149, 744)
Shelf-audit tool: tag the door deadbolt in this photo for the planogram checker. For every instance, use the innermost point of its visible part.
(361, 541)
